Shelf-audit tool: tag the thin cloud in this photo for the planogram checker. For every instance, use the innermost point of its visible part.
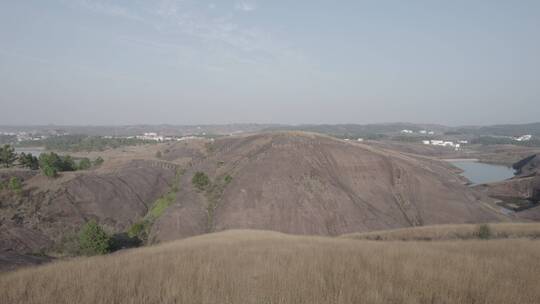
(224, 39)
(110, 9)
(245, 6)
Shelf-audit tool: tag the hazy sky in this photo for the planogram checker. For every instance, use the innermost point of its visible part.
(194, 62)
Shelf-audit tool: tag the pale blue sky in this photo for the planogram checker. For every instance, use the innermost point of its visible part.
(195, 62)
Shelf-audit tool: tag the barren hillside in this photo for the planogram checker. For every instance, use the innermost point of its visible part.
(298, 183)
(303, 183)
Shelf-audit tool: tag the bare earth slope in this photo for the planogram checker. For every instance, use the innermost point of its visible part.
(292, 182)
(48, 211)
(303, 183)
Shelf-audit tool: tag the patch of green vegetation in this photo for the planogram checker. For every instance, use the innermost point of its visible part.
(98, 161)
(7, 156)
(161, 204)
(52, 163)
(506, 140)
(49, 163)
(220, 163)
(15, 185)
(28, 161)
(141, 228)
(213, 194)
(84, 164)
(484, 232)
(200, 180)
(77, 142)
(93, 239)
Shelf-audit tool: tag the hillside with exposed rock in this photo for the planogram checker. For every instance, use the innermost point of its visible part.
(292, 182)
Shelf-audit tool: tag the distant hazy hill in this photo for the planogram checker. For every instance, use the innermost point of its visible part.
(364, 130)
(503, 130)
(339, 130)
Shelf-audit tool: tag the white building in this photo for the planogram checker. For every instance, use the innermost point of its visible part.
(523, 138)
(405, 131)
(442, 143)
(150, 136)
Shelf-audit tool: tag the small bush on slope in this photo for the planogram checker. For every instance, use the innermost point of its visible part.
(200, 180)
(93, 239)
(484, 232)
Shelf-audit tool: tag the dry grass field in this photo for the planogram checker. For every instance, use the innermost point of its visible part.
(267, 267)
(452, 232)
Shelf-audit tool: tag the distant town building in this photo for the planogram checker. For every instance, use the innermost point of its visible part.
(405, 131)
(150, 136)
(442, 143)
(523, 138)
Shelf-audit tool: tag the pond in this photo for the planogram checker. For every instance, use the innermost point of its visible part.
(481, 173)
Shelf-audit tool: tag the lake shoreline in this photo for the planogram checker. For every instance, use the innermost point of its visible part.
(461, 159)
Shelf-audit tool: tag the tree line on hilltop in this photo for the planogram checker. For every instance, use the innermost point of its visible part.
(49, 163)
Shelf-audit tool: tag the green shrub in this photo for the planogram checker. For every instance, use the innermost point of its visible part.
(98, 161)
(52, 163)
(227, 179)
(15, 185)
(7, 156)
(49, 171)
(200, 180)
(138, 230)
(93, 239)
(84, 164)
(28, 161)
(484, 232)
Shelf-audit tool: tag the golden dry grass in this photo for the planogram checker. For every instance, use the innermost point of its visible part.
(451, 232)
(269, 267)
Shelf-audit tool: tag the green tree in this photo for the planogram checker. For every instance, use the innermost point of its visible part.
(49, 164)
(67, 163)
(200, 180)
(84, 164)
(52, 163)
(49, 171)
(7, 156)
(15, 184)
(93, 239)
(28, 161)
(98, 161)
